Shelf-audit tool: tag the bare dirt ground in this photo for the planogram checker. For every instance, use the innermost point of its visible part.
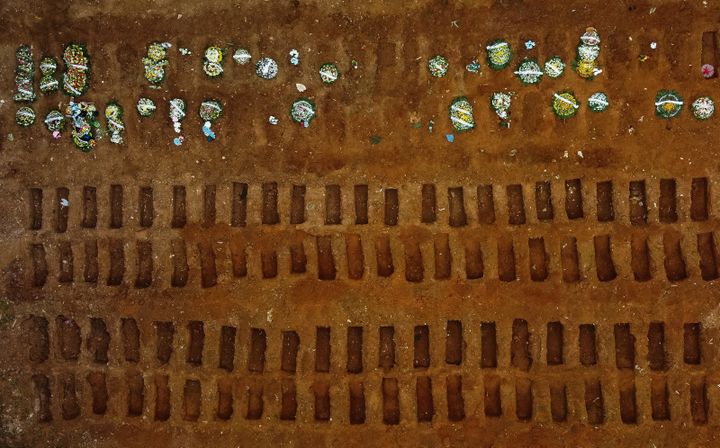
(363, 282)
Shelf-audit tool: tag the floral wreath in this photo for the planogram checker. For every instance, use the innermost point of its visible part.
(76, 79)
(668, 104)
(55, 121)
(210, 110)
(529, 72)
(24, 74)
(266, 68)
(499, 54)
(564, 104)
(598, 102)
(438, 66)
(155, 62)
(115, 124)
(703, 108)
(329, 73)
(145, 107)
(303, 111)
(461, 114)
(212, 61)
(554, 67)
(25, 116)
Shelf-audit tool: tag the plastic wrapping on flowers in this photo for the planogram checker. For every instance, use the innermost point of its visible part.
(24, 74)
(598, 102)
(155, 62)
(177, 113)
(461, 114)
(115, 125)
(145, 107)
(303, 111)
(668, 104)
(329, 73)
(499, 54)
(294, 56)
(564, 104)
(438, 66)
(212, 61)
(473, 66)
(703, 108)
(76, 79)
(529, 72)
(266, 68)
(25, 116)
(84, 124)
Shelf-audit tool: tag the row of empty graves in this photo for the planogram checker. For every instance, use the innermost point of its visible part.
(651, 248)
(643, 256)
(638, 203)
(591, 373)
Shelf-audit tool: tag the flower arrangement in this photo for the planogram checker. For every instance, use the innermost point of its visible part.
(499, 54)
(564, 104)
(438, 66)
(115, 125)
(598, 102)
(329, 73)
(703, 108)
(500, 102)
(155, 62)
(55, 122)
(177, 113)
(586, 69)
(145, 107)
(473, 66)
(554, 67)
(266, 68)
(529, 72)
(242, 56)
(668, 104)
(25, 116)
(24, 74)
(76, 79)
(48, 65)
(708, 71)
(48, 83)
(84, 124)
(294, 56)
(213, 60)
(587, 53)
(302, 111)
(210, 110)
(461, 114)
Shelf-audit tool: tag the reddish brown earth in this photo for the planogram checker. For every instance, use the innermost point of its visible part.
(251, 256)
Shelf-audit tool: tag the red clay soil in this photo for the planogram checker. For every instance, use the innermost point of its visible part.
(363, 281)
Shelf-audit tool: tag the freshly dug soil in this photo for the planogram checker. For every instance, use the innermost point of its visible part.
(363, 281)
